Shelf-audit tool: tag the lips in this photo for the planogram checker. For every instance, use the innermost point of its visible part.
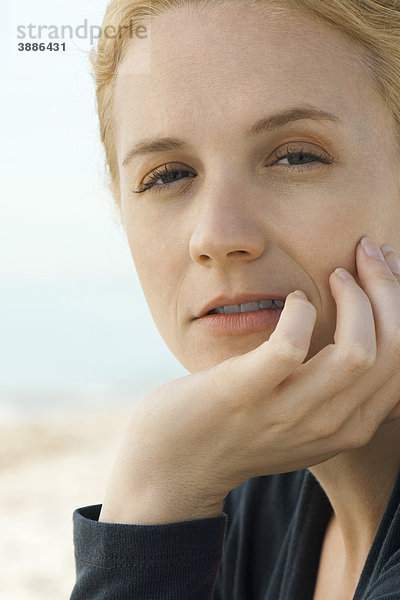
(219, 301)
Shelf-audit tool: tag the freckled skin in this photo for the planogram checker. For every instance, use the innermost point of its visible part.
(211, 79)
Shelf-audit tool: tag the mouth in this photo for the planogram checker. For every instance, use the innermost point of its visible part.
(243, 303)
(247, 307)
(242, 318)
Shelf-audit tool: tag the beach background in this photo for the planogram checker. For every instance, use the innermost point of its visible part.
(78, 347)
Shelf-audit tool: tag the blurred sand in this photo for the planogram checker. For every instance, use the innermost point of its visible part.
(47, 470)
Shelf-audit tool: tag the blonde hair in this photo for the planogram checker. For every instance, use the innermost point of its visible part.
(373, 25)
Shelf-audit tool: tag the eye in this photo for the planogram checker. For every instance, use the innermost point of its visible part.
(168, 175)
(298, 158)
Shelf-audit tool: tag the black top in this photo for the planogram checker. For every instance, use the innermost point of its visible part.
(265, 546)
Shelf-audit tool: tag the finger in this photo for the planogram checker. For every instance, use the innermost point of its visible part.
(384, 404)
(382, 285)
(392, 261)
(383, 291)
(338, 365)
(258, 372)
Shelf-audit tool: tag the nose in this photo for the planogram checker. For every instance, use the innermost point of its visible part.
(227, 231)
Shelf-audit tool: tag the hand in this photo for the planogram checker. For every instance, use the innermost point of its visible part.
(194, 439)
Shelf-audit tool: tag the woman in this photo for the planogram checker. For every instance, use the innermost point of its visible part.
(272, 471)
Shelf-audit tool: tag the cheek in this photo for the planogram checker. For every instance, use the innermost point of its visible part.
(158, 260)
(152, 228)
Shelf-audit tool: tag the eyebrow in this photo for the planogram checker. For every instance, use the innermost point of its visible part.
(272, 122)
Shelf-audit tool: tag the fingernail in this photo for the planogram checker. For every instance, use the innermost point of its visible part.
(391, 259)
(344, 274)
(300, 294)
(371, 248)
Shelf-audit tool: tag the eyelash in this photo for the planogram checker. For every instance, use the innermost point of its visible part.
(288, 153)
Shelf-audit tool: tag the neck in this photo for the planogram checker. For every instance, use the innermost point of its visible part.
(358, 484)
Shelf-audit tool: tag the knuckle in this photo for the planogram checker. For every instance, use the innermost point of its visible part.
(359, 438)
(361, 431)
(358, 358)
(385, 275)
(329, 429)
(290, 350)
(286, 425)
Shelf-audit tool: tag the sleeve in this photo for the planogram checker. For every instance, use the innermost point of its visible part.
(173, 561)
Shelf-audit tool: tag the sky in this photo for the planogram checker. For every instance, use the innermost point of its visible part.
(74, 324)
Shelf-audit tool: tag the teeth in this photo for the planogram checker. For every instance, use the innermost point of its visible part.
(279, 303)
(250, 306)
(266, 303)
(232, 308)
(236, 308)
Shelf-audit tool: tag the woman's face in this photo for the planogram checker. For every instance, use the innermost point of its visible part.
(238, 216)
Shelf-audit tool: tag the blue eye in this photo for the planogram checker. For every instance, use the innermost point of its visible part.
(300, 154)
(164, 174)
(170, 174)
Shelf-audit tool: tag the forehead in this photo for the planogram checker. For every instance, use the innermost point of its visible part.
(208, 64)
